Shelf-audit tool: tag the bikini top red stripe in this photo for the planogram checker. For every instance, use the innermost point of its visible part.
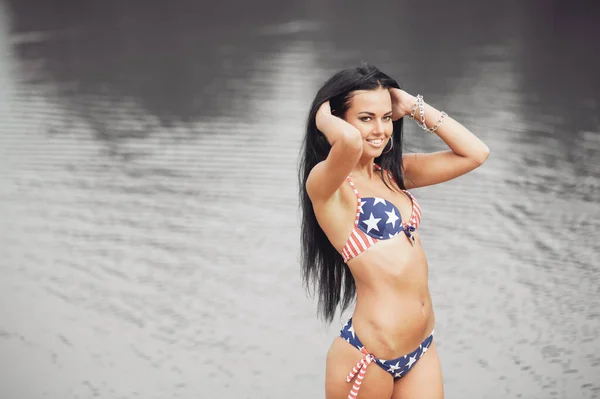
(378, 219)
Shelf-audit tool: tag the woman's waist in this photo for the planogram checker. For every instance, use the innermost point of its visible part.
(393, 328)
(388, 266)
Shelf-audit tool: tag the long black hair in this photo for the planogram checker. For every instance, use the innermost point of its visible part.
(322, 265)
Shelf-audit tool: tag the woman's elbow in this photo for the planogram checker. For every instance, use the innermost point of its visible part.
(482, 155)
(353, 140)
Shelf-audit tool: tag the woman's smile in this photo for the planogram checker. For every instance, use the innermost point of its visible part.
(376, 142)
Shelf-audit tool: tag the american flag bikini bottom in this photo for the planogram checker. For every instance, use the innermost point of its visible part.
(396, 367)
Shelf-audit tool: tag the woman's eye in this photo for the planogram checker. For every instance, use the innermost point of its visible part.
(368, 118)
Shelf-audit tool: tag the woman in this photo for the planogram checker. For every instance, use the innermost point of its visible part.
(360, 233)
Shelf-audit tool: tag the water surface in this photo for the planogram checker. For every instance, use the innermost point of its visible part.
(150, 226)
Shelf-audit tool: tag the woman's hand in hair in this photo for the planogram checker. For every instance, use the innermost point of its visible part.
(335, 128)
(323, 114)
(402, 102)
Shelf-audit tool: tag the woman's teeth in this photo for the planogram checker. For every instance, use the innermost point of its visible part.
(376, 142)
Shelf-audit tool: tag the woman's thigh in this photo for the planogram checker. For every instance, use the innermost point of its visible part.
(424, 380)
(341, 358)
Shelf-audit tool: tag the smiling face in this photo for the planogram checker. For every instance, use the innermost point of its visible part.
(370, 112)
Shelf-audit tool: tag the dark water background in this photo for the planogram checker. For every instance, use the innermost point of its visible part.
(149, 231)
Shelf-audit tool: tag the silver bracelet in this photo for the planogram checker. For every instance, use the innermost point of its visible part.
(421, 106)
(422, 111)
(413, 110)
(439, 122)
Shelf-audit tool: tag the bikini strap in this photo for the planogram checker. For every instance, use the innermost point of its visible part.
(358, 374)
(353, 187)
(390, 176)
(359, 203)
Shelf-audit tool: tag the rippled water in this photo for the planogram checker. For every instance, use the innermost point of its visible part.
(150, 225)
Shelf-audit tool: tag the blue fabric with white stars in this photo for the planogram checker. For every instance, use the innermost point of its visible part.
(396, 367)
(379, 218)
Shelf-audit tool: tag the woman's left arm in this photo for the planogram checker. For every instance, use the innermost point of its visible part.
(466, 153)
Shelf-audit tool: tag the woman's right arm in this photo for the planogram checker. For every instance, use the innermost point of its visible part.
(346, 148)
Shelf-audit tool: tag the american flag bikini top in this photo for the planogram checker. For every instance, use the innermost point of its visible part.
(378, 219)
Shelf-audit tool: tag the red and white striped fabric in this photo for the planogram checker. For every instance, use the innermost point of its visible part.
(358, 241)
(415, 216)
(359, 372)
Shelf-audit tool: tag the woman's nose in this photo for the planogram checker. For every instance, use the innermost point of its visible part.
(379, 127)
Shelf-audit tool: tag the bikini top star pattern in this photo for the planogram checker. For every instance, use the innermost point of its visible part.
(378, 219)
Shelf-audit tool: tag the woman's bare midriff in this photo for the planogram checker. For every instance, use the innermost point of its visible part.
(393, 313)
